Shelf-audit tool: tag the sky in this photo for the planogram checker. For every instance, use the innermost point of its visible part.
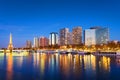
(27, 19)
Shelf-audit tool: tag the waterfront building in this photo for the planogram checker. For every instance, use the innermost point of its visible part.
(89, 37)
(70, 40)
(53, 39)
(36, 42)
(64, 36)
(114, 41)
(44, 42)
(96, 36)
(28, 44)
(102, 36)
(77, 35)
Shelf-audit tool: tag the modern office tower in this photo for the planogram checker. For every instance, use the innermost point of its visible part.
(77, 35)
(28, 44)
(96, 36)
(102, 36)
(44, 42)
(36, 42)
(10, 46)
(53, 38)
(64, 36)
(90, 37)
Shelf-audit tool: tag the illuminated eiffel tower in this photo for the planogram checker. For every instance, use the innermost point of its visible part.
(10, 46)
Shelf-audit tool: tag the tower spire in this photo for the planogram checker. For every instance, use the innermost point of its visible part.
(10, 39)
(10, 46)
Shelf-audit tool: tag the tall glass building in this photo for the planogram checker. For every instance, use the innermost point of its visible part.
(102, 36)
(90, 37)
(96, 35)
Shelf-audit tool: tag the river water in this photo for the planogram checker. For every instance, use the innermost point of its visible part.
(36, 66)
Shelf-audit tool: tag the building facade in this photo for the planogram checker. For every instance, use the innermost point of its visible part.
(44, 42)
(77, 35)
(36, 42)
(64, 36)
(90, 37)
(102, 36)
(53, 39)
(28, 44)
(96, 36)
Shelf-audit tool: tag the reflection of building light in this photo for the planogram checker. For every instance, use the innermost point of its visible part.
(36, 59)
(105, 63)
(87, 62)
(90, 64)
(80, 58)
(52, 63)
(57, 59)
(42, 62)
(20, 61)
(93, 61)
(9, 67)
(69, 55)
(65, 64)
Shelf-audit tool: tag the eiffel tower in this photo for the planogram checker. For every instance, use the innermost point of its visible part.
(10, 46)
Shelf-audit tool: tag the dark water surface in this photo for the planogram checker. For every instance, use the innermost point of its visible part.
(59, 67)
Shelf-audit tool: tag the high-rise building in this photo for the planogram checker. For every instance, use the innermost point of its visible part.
(77, 35)
(90, 37)
(102, 36)
(36, 42)
(44, 42)
(53, 38)
(28, 44)
(64, 37)
(10, 46)
(70, 41)
(96, 35)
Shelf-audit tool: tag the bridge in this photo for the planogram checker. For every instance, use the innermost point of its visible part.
(7, 51)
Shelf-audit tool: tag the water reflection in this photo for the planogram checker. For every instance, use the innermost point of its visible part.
(9, 67)
(104, 63)
(68, 64)
(20, 61)
(59, 66)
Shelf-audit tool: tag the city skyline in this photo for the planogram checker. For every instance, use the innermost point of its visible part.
(39, 18)
(93, 36)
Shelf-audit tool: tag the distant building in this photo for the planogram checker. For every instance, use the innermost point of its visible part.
(102, 36)
(36, 42)
(77, 35)
(114, 42)
(64, 36)
(90, 37)
(53, 38)
(96, 35)
(44, 42)
(28, 44)
(70, 40)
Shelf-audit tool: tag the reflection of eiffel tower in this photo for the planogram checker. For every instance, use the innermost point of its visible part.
(10, 46)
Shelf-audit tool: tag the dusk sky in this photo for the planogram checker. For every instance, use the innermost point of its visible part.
(26, 19)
